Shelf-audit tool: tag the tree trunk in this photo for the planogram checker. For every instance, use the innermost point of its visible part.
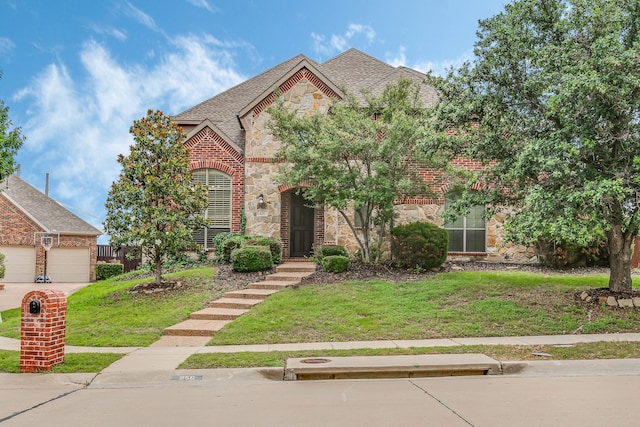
(619, 259)
(158, 269)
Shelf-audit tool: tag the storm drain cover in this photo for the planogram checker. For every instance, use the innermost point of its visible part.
(315, 360)
(186, 377)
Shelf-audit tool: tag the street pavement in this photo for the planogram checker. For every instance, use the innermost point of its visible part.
(255, 397)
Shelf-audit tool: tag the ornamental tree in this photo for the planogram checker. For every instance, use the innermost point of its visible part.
(359, 157)
(154, 205)
(551, 105)
(10, 142)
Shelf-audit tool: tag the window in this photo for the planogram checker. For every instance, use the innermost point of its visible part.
(218, 212)
(468, 233)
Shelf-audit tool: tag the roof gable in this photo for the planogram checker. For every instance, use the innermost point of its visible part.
(49, 214)
(304, 69)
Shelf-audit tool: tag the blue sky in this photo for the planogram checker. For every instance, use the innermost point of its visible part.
(77, 73)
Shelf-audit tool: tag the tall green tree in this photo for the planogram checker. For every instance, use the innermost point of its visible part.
(10, 141)
(361, 154)
(154, 205)
(551, 105)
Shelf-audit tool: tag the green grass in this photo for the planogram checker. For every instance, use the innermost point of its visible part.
(502, 353)
(464, 304)
(105, 314)
(73, 362)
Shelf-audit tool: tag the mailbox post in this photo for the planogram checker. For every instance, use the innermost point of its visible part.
(42, 330)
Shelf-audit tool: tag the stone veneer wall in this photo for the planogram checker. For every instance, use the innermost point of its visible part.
(260, 148)
(260, 171)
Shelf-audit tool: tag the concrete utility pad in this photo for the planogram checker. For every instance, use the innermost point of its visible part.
(403, 366)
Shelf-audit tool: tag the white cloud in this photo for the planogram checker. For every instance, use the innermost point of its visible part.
(140, 16)
(78, 124)
(204, 4)
(342, 42)
(399, 59)
(6, 45)
(110, 31)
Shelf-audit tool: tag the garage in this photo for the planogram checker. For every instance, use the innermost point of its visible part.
(20, 263)
(69, 265)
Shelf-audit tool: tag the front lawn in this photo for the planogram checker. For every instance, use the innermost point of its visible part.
(460, 304)
(104, 314)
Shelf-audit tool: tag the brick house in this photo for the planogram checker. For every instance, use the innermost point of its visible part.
(232, 152)
(26, 215)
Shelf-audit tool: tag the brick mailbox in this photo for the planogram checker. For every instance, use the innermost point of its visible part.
(42, 330)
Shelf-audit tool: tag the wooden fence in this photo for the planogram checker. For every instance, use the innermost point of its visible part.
(107, 254)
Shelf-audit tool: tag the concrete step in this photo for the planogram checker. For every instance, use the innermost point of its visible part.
(199, 328)
(294, 277)
(218, 313)
(405, 366)
(250, 293)
(242, 303)
(181, 341)
(296, 267)
(271, 284)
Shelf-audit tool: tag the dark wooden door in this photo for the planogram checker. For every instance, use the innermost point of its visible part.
(301, 227)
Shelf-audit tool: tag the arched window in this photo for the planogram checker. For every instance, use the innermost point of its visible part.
(468, 233)
(218, 212)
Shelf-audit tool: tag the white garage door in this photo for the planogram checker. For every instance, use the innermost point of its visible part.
(20, 263)
(70, 265)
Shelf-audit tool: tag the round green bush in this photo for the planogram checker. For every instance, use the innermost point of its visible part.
(274, 245)
(335, 263)
(251, 258)
(322, 251)
(419, 244)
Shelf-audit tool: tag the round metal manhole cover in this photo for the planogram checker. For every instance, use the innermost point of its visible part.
(315, 360)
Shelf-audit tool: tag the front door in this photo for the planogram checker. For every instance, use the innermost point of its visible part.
(301, 227)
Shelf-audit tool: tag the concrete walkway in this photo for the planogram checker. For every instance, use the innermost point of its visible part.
(169, 358)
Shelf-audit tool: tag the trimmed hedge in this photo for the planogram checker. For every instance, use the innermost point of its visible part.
(322, 251)
(251, 258)
(335, 263)
(2, 266)
(274, 245)
(105, 271)
(419, 244)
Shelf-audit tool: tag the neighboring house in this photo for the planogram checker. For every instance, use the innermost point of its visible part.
(26, 215)
(232, 151)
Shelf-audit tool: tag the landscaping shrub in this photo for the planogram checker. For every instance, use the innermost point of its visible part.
(105, 271)
(568, 255)
(2, 266)
(219, 240)
(251, 258)
(335, 263)
(275, 246)
(419, 245)
(322, 251)
(232, 243)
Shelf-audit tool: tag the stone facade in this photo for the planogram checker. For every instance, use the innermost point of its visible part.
(229, 132)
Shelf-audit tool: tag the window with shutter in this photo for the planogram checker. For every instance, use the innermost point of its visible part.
(218, 211)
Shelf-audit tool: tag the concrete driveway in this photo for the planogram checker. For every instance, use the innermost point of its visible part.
(11, 296)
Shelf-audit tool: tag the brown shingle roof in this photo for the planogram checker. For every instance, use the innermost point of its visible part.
(352, 70)
(48, 213)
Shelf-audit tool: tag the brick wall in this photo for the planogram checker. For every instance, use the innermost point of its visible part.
(209, 151)
(15, 227)
(42, 335)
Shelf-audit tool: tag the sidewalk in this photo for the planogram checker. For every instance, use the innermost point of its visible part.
(156, 358)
